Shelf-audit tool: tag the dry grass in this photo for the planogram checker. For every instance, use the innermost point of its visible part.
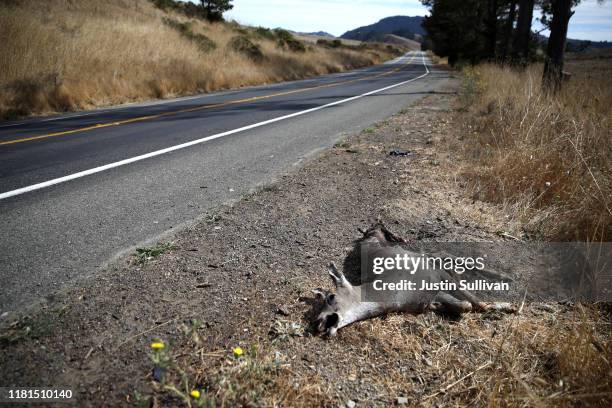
(64, 55)
(437, 59)
(547, 356)
(537, 358)
(547, 159)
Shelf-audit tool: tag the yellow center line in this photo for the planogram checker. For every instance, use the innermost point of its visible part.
(201, 107)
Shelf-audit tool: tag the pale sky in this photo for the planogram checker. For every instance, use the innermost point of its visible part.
(591, 21)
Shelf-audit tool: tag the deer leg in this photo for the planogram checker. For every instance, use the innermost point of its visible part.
(480, 306)
(449, 305)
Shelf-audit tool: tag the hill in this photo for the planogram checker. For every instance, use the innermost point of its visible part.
(403, 26)
(320, 34)
(73, 55)
(402, 41)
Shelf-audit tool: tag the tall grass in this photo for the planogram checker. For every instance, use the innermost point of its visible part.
(61, 55)
(546, 158)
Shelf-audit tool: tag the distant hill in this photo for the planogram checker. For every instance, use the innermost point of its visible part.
(403, 26)
(405, 42)
(320, 34)
(584, 45)
(574, 45)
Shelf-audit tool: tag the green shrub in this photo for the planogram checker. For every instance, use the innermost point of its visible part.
(283, 35)
(286, 40)
(264, 32)
(204, 43)
(165, 4)
(247, 47)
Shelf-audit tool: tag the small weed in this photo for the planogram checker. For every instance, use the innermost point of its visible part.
(270, 188)
(173, 379)
(283, 330)
(368, 130)
(191, 331)
(145, 254)
(27, 327)
(343, 144)
(212, 218)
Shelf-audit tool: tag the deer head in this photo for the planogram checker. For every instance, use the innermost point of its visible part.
(343, 307)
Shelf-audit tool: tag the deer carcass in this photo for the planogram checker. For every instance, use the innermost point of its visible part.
(346, 306)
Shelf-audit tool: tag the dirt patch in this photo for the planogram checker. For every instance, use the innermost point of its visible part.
(242, 278)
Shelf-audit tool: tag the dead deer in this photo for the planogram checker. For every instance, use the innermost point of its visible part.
(346, 306)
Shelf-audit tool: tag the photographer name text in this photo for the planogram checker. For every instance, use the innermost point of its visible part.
(446, 285)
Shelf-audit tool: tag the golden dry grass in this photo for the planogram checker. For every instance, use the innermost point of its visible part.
(547, 159)
(63, 55)
(437, 59)
(546, 356)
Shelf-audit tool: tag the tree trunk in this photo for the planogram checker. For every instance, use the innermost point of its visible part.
(520, 49)
(555, 51)
(508, 31)
(491, 29)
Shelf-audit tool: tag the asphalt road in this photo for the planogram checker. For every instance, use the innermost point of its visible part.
(78, 190)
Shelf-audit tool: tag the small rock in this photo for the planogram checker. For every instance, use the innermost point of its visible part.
(159, 373)
(282, 310)
(402, 400)
(546, 308)
(399, 152)
(350, 404)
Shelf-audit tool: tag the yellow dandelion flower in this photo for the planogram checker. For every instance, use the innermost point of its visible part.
(158, 345)
(238, 351)
(195, 394)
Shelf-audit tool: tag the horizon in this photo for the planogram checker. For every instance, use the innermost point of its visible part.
(592, 21)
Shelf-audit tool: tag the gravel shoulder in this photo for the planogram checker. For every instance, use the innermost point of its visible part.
(247, 268)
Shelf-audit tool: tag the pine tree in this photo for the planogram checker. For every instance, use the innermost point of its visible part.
(213, 9)
(555, 51)
(459, 29)
(522, 38)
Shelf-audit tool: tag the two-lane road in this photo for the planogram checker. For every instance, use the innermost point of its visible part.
(77, 189)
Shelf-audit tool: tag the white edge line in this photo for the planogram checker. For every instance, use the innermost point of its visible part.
(120, 163)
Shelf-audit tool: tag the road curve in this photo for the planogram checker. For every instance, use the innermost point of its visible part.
(76, 190)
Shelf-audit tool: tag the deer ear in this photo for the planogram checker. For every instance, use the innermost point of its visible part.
(319, 293)
(337, 277)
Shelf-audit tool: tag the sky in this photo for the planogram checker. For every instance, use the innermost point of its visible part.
(591, 21)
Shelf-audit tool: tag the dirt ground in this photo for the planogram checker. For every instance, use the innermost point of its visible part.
(245, 273)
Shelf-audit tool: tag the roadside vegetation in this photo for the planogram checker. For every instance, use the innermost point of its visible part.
(65, 56)
(546, 357)
(546, 158)
(535, 126)
(142, 255)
